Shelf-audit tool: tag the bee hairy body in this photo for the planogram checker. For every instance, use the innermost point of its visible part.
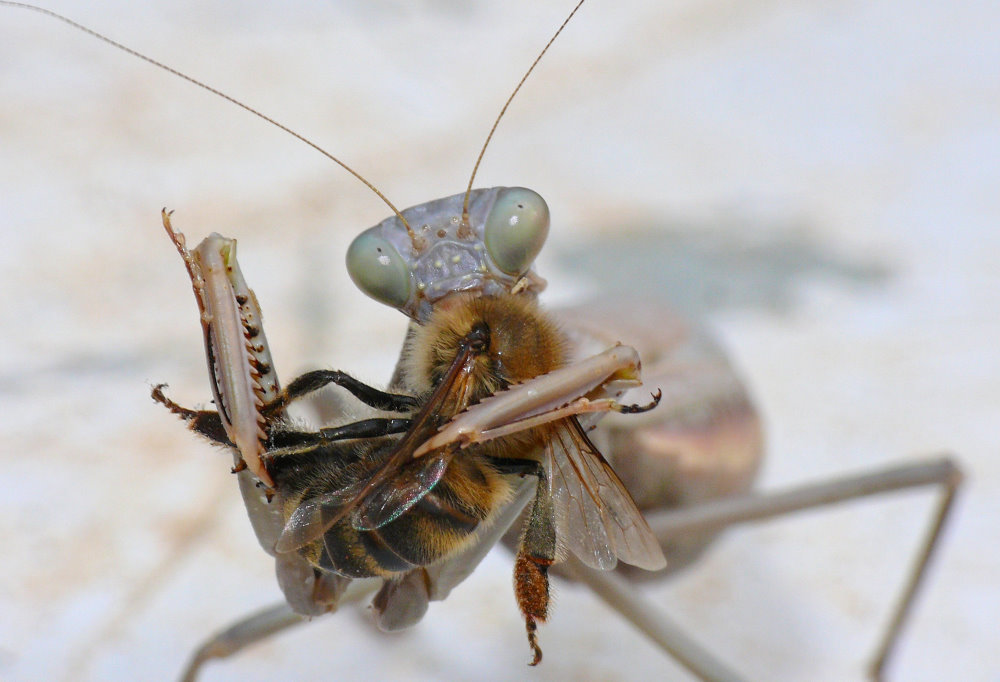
(479, 480)
(438, 525)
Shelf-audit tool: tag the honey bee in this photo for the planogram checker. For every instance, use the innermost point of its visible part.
(485, 396)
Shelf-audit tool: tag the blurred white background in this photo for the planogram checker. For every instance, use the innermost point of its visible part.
(820, 179)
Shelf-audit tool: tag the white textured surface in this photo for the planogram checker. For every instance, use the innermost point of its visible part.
(833, 166)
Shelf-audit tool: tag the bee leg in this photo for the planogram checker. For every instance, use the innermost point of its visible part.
(531, 586)
(366, 428)
(317, 379)
(519, 467)
(536, 553)
(206, 423)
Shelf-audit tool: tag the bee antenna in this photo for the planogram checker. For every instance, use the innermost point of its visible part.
(475, 169)
(203, 86)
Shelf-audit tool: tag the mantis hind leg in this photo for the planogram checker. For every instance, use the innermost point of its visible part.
(258, 626)
(625, 598)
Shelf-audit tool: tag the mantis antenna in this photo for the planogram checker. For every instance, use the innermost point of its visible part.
(475, 169)
(189, 79)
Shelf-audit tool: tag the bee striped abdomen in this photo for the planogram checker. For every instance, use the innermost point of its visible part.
(359, 554)
(450, 516)
(434, 528)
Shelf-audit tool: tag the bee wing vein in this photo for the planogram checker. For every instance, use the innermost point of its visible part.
(599, 521)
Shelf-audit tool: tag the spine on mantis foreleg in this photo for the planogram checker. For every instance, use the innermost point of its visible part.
(239, 361)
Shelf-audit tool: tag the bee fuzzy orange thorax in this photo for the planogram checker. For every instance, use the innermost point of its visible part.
(524, 343)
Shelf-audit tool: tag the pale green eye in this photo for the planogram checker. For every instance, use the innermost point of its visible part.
(378, 270)
(516, 228)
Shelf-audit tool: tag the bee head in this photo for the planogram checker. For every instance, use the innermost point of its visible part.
(517, 342)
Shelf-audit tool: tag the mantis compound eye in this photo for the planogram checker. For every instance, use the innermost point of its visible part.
(378, 270)
(427, 252)
(516, 228)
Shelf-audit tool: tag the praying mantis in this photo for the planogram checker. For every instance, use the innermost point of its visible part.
(351, 337)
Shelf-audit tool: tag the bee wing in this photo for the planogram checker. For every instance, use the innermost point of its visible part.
(597, 519)
(375, 501)
(403, 603)
(407, 487)
(445, 575)
(399, 482)
(312, 517)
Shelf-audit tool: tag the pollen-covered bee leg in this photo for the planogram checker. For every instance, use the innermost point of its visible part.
(536, 553)
(206, 423)
(317, 379)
